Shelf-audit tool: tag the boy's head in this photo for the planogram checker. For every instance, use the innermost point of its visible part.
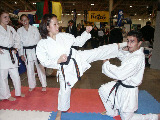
(134, 41)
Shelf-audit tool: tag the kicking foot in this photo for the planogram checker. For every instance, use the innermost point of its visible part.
(22, 95)
(43, 88)
(104, 113)
(58, 117)
(11, 98)
(31, 89)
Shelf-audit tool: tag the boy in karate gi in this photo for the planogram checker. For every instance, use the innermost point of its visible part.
(122, 94)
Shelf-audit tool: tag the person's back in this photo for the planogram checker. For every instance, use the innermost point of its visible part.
(115, 36)
(148, 32)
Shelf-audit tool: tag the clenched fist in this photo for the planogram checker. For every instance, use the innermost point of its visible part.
(88, 29)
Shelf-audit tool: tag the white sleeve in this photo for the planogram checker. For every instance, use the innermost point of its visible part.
(16, 38)
(20, 51)
(80, 40)
(44, 58)
(124, 71)
(38, 36)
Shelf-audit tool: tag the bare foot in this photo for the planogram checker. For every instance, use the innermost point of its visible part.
(104, 113)
(58, 117)
(11, 98)
(22, 95)
(31, 89)
(43, 88)
(158, 116)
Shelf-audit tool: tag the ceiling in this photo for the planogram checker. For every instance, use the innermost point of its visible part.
(140, 8)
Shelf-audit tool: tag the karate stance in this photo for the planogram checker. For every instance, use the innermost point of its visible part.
(9, 43)
(122, 94)
(29, 37)
(54, 51)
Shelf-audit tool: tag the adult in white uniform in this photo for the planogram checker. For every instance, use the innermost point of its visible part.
(29, 37)
(54, 51)
(122, 94)
(9, 43)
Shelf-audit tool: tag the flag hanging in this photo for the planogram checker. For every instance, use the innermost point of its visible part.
(45, 8)
(39, 6)
(57, 9)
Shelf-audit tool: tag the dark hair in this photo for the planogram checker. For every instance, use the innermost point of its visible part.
(43, 25)
(136, 34)
(148, 23)
(70, 21)
(3, 11)
(23, 15)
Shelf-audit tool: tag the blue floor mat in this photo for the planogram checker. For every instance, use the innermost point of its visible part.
(147, 104)
(80, 116)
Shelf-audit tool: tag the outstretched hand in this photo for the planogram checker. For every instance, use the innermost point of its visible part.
(88, 29)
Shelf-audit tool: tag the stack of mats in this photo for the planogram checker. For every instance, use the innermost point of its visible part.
(85, 104)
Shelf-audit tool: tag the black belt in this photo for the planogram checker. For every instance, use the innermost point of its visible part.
(66, 63)
(30, 47)
(118, 83)
(10, 52)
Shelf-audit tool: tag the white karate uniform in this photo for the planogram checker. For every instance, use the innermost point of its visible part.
(126, 100)
(30, 38)
(49, 51)
(9, 39)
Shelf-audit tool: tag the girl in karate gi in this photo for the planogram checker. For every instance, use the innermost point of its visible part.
(29, 37)
(9, 43)
(54, 51)
(121, 95)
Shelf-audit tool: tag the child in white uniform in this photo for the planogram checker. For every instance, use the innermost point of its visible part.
(9, 43)
(29, 37)
(122, 94)
(54, 51)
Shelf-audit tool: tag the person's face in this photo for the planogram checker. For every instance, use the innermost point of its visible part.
(133, 44)
(25, 21)
(71, 24)
(4, 19)
(53, 27)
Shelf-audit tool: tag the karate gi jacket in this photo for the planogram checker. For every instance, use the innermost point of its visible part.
(49, 51)
(28, 38)
(130, 73)
(8, 39)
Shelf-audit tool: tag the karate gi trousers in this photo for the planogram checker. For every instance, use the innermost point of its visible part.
(89, 56)
(112, 112)
(31, 74)
(4, 87)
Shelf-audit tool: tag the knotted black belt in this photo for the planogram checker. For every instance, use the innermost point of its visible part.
(29, 47)
(10, 52)
(66, 63)
(118, 83)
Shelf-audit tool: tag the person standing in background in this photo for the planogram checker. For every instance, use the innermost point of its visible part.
(9, 44)
(72, 29)
(29, 37)
(148, 33)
